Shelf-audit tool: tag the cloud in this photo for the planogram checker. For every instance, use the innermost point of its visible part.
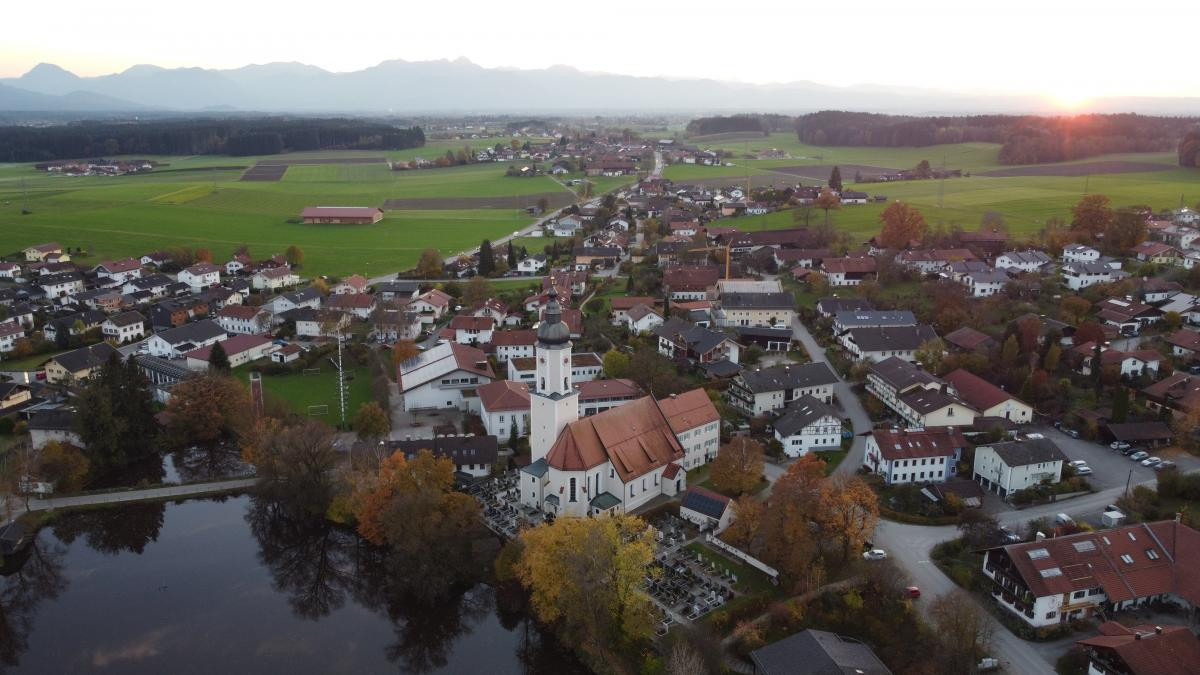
(138, 649)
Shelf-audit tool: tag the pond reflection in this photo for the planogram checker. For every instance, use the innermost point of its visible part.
(245, 584)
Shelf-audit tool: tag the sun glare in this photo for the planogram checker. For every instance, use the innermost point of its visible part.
(1069, 99)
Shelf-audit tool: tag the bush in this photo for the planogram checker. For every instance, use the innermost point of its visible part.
(6, 425)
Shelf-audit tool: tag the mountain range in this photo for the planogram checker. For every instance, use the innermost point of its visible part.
(460, 86)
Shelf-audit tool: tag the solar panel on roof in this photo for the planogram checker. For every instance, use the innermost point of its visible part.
(1051, 572)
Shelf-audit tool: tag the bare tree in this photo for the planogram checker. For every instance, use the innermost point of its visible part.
(685, 661)
(963, 629)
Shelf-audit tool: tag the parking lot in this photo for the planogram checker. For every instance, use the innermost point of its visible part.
(1110, 468)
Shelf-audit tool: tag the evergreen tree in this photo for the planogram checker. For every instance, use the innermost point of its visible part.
(835, 179)
(512, 437)
(487, 258)
(1120, 405)
(512, 256)
(218, 360)
(115, 415)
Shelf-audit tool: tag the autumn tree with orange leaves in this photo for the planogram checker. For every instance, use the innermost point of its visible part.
(411, 507)
(901, 224)
(738, 467)
(847, 511)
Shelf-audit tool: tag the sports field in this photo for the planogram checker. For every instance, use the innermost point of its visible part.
(201, 202)
(1026, 201)
(302, 392)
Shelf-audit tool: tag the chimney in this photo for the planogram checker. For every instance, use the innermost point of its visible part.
(1039, 536)
(1158, 630)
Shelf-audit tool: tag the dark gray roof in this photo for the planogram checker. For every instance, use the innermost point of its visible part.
(899, 338)
(459, 449)
(758, 300)
(302, 295)
(152, 281)
(1028, 451)
(722, 368)
(196, 332)
(399, 287)
(762, 331)
(61, 419)
(788, 377)
(816, 652)
(538, 468)
(127, 318)
(900, 374)
(604, 501)
(705, 502)
(801, 413)
(875, 317)
(168, 369)
(929, 400)
(85, 357)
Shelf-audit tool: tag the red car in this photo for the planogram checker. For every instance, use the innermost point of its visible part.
(913, 592)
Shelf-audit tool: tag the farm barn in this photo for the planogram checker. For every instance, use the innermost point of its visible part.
(342, 215)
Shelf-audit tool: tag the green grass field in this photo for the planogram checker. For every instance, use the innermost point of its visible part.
(1026, 202)
(302, 391)
(184, 205)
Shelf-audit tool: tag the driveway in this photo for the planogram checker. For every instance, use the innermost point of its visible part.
(1109, 468)
(851, 406)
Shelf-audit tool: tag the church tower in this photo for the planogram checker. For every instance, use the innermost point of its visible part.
(554, 402)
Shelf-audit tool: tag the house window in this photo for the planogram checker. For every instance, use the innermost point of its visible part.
(1049, 615)
(1078, 594)
(572, 489)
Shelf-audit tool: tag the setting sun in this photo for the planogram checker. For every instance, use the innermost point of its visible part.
(1070, 99)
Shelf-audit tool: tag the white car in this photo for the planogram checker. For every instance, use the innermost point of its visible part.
(1118, 445)
(1139, 456)
(1084, 470)
(875, 554)
(1077, 463)
(1152, 461)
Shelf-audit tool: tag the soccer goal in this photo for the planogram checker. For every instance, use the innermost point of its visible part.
(315, 410)
(312, 371)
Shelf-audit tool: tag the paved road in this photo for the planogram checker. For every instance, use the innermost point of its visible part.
(852, 407)
(138, 495)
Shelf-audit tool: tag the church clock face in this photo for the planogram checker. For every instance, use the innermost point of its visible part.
(565, 360)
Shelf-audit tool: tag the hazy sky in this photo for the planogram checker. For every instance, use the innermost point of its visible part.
(1066, 49)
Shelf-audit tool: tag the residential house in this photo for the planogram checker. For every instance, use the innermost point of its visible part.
(620, 305)
(1080, 275)
(397, 291)
(765, 390)
(1024, 261)
(808, 424)
(1157, 252)
(473, 456)
(14, 395)
(816, 652)
(757, 309)
(155, 259)
(988, 399)
(240, 350)
(829, 307)
(1078, 253)
(306, 297)
(503, 405)
(848, 271)
(591, 257)
(932, 261)
(1185, 343)
(682, 340)
(444, 376)
(877, 344)
(173, 343)
(360, 305)
(124, 327)
(1127, 314)
(985, 284)
(1005, 468)
(585, 366)
(872, 318)
(1127, 364)
(274, 278)
(244, 319)
(1097, 573)
(510, 344)
(78, 364)
(967, 339)
(40, 252)
(472, 330)
(318, 323)
(396, 324)
(916, 396)
(914, 455)
(642, 319)
(119, 271)
(200, 276)
(431, 305)
(10, 271)
(532, 264)
(61, 285)
(56, 425)
(355, 283)
(237, 263)
(1146, 649)
(691, 282)
(10, 332)
(1179, 392)
(155, 284)
(567, 226)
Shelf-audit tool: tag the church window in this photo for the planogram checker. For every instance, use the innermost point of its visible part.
(572, 489)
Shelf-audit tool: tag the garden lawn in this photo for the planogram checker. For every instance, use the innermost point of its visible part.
(301, 391)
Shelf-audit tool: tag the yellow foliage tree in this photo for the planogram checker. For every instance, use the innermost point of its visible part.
(585, 575)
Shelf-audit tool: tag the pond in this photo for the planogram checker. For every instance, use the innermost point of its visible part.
(239, 585)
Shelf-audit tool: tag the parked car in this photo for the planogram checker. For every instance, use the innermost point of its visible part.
(1152, 461)
(913, 592)
(1129, 451)
(1071, 432)
(1077, 463)
(1139, 456)
(1118, 445)
(875, 554)
(1165, 464)
(1008, 535)
(1084, 470)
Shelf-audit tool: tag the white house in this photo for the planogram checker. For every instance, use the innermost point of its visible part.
(987, 398)
(124, 327)
(355, 283)
(917, 397)
(304, 298)
(567, 226)
(513, 344)
(10, 332)
(443, 376)
(913, 455)
(240, 349)
(764, 390)
(200, 276)
(533, 264)
(119, 270)
(315, 323)
(273, 278)
(984, 284)
(1005, 468)
(877, 344)
(431, 305)
(642, 319)
(172, 343)
(472, 455)
(1025, 261)
(710, 511)
(1078, 253)
(61, 285)
(472, 330)
(244, 319)
(504, 404)
(808, 424)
